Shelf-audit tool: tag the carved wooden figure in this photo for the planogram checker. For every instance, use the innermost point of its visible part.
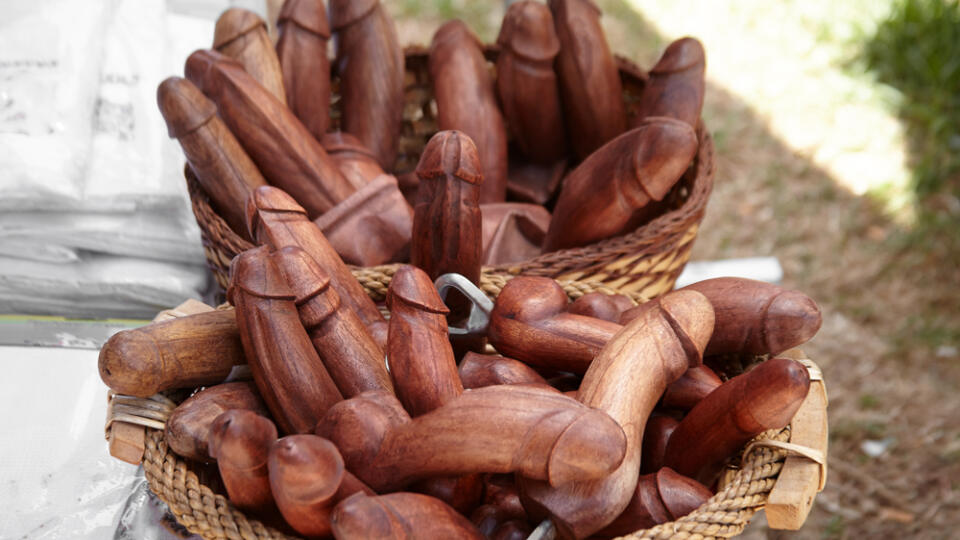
(676, 84)
(463, 493)
(275, 219)
(607, 194)
(763, 398)
(399, 515)
(693, 386)
(240, 441)
(507, 428)
(626, 381)
(308, 479)
(502, 493)
(608, 307)
(224, 169)
(656, 435)
(289, 375)
(302, 50)
(479, 370)
(466, 102)
(283, 149)
(242, 35)
(512, 232)
(534, 183)
(352, 357)
(447, 221)
(527, 84)
(357, 162)
(514, 529)
(589, 82)
(180, 353)
(660, 497)
(188, 428)
(529, 323)
(421, 358)
(370, 66)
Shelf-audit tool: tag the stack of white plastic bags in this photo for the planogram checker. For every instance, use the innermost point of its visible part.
(94, 216)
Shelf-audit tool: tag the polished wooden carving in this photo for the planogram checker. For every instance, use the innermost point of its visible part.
(660, 497)
(222, 167)
(242, 35)
(608, 307)
(400, 515)
(308, 479)
(302, 50)
(466, 102)
(240, 441)
(626, 381)
(185, 352)
(607, 194)
(764, 398)
(676, 84)
(275, 219)
(526, 83)
(514, 529)
(479, 370)
(655, 438)
(285, 152)
(188, 428)
(512, 232)
(357, 162)
(693, 386)
(289, 375)
(529, 322)
(463, 493)
(507, 428)
(589, 82)
(534, 183)
(370, 66)
(352, 357)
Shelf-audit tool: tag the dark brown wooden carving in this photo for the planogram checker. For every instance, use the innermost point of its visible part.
(607, 194)
(626, 381)
(463, 89)
(693, 386)
(512, 232)
(242, 35)
(188, 428)
(589, 82)
(400, 515)
(660, 497)
(302, 50)
(370, 66)
(275, 219)
(283, 149)
(655, 438)
(289, 375)
(479, 370)
(240, 441)
(462, 493)
(185, 352)
(224, 169)
(533, 183)
(676, 84)
(764, 398)
(514, 529)
(352, 357)
(608, 307)
(357, 162)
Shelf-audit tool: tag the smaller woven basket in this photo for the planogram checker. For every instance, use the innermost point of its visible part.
(744, 488)
(646, 261)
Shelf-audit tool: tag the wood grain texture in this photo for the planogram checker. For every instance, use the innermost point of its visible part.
(283, 149)
(626, 381)
(188, 428)
(302, 51)
(589, 82)
(357, 162)
(351, 356)
(467, 102)
(512, 232)
(691, 387)
(242, 35)
(463, 493)
(399, 515)
(764, 398)
(185, 352)
(660, 497)
(292, 380)
(276, 220)
(607, 307)
(526, 83)
(676, 84)
(534, 183)
(608, 193)
(508, 428)
(370, 66)
(529, 323)
(240, 441)
(656, 435)
(223, 168)
(479, 370)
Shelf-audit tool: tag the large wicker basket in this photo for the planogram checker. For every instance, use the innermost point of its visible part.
(774, 466)
(647, 261)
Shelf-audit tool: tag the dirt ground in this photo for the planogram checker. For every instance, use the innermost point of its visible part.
(888, 346)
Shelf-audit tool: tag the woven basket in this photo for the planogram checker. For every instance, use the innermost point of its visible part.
(744, 489)
(647, 261)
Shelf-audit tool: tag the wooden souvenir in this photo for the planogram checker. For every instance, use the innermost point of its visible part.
(512, 232)
(533, 183)
(283, 149)
(289, 375)
(302, 50)
(479, 370)
(502, 493)
(590, 87)
(656, 435)
(660, 497)
(691, 387)
(351, 356)
(466, 102)
(626, 381)
(242, 35)
(185, 352)
(514, 529)
(608, 307)
(188, 428)
(463, 493)
(370, 66)
(240, 441)
(607, 195)
(399, 515)
(275, 219)
(676, 84)
(356, 162)
(223, 168)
